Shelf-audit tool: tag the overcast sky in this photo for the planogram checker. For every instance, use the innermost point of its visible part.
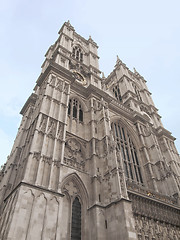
(145, 35)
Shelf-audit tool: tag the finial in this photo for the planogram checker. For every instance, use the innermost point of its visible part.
(103, 75)
(118, 60)
(90, 37)
(134, 70)
(68, 22)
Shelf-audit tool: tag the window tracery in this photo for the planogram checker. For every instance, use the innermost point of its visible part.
(125, 145)
(77, 54)
(75, 110)
(117, 93)
(137, 92)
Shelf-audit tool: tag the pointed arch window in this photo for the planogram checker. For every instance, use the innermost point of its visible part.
(117, 93)
(137, 92)
(77, 54)
(130, 160)
(76, 220)
(75, 110)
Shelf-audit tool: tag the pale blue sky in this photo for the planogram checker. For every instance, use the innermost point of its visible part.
(145, 35)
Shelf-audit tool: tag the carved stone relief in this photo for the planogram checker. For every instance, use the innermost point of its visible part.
(47, 160)
(73, 154)
(59, 85)
(71, 188)
(153, 209)
(60, 131)
(42, 125)
(98, 105)
(76, 66)
(51, 130)
(111, 143)
(37, 155)
(101, 148)
(145, 109)
(52, 81)
(148, 228)
(66, 88)
(162, 170)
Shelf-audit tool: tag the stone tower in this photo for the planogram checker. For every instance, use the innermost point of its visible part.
(91, 159)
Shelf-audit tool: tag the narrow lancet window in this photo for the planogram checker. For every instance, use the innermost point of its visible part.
(77, 54)
(75, 110)
(117, 93)
(137, 93)
(76, 220)
(80, 114)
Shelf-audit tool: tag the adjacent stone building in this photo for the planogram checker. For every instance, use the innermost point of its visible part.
(91, 159)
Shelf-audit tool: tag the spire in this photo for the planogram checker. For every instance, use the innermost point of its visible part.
(118, 61)
(136, 73)
(103, 75)
(134, 70)
(67, 24)
(91, 40)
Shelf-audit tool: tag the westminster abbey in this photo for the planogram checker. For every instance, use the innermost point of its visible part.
(91, 159)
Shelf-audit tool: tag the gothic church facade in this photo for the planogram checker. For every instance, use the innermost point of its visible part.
(91, 159)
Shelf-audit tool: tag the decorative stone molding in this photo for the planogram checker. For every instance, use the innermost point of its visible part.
(66, 88)
(59, 85)
(101, 147)
(37, 155)
(71, 188)
(73, 154)
(43, 123)
(52, 81)
(47, 159)
(149, 193)
(150, 229)
(51, 130)
(57, 163)
(151, 208)
(60, 131)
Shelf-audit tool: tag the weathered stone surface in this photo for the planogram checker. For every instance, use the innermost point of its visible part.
(91, 159)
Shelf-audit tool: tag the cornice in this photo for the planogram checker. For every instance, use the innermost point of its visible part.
(112, 74)
(31, 100)
(65, 49)
(145, 90)
(67, 25)
(96, 76)
(131, 92)
(155, 199)
(121, 110)
(85, 40)
(34, 187)
(50, 48)
(95, 68)
(163, 132)
(67, 36)
(82, 38)
(68, 75)
(93, 54)
(137, 116)
(98, 92)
